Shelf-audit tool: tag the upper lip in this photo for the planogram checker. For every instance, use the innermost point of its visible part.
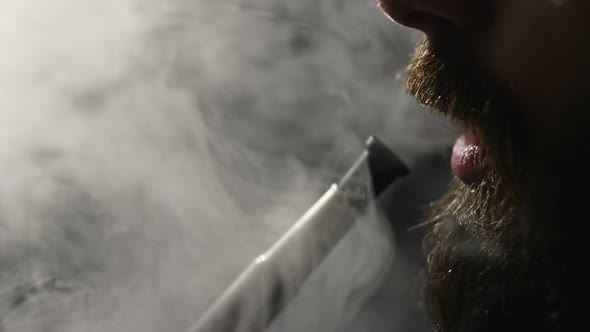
(429, 15)
(404, 13)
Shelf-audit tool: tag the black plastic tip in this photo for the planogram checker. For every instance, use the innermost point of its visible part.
(384, 165)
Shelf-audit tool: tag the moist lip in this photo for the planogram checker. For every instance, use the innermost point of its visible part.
(469, 161)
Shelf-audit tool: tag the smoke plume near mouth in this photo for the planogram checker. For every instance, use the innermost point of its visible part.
(149, 150)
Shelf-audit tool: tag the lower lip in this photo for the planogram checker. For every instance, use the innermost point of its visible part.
(469, 161)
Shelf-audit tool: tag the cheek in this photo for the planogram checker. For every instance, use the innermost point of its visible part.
(540, 49)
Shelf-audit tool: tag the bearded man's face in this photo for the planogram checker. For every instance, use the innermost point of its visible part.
(506, 244)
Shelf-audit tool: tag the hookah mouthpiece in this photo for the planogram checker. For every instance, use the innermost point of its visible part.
(274, 278)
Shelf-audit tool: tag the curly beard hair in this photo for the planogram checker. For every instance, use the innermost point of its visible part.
(494, 264)
(504, 255)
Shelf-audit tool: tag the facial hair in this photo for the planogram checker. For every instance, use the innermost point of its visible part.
(444, 76)
(496, 259)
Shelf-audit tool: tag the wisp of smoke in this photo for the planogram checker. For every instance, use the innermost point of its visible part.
(150, 149)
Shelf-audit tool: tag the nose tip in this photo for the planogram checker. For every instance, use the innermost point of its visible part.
(429, 16)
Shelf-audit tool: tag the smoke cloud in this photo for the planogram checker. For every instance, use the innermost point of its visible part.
(149, 150)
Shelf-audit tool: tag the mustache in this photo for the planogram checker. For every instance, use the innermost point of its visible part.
(445, 76)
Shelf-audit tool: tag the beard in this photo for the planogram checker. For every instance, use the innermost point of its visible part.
(502, 255)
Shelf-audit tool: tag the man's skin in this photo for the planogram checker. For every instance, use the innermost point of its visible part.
(506, 246)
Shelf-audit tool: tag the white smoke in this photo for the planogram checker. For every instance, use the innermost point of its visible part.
(149, 150)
